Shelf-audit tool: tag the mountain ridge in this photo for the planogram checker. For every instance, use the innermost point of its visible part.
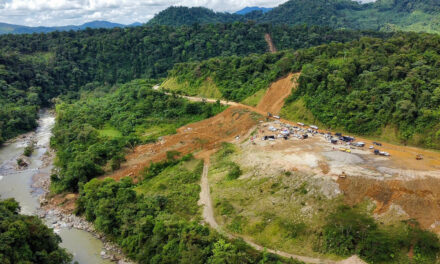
(249, 9)
(383, 15)
(6, 28)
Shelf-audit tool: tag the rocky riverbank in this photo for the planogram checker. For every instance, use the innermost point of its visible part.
(57, 220)
(58, 217)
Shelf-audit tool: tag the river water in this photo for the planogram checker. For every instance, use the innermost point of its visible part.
(16, 183)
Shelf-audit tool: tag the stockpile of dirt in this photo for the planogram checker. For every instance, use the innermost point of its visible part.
(274, 98)
(204, 135)
(419, 198)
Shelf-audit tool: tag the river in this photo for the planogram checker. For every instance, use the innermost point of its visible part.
(17, 183)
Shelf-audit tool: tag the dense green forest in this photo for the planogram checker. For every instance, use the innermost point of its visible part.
(349, 231)
(25, 239)
(36, 68)
(370, 85)
(366, 87)
(235, 77)
(383, 15)
(96, 130)
(178, 16)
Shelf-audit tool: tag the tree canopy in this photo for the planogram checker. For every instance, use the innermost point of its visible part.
(25, 239)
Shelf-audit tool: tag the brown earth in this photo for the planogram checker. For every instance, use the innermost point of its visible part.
(65, 202)
(274, 98)
(270, 44)
(204, 135)
(419, 198)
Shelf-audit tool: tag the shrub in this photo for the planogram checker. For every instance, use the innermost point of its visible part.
(234, 171)
(29, 149)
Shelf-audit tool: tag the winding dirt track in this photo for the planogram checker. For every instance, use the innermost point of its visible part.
(205, 198)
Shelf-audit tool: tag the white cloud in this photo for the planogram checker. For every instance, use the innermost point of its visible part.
(68, 12)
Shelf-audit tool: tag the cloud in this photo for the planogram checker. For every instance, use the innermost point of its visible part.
(68, 12)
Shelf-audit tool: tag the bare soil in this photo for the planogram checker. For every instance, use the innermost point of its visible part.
(419, 198)
(270, 44)
(274, 98)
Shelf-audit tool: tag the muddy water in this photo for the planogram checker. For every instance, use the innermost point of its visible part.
(16, 183)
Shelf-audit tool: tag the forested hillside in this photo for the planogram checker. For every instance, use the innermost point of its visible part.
(36, 68)
(370, 87)
(180, 15)
(383, 15)
(25, 239)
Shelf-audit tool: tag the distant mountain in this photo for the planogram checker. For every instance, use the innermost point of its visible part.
(17, 29)
(135, 24)
(180, 15)
(248, 9)
(383, 15)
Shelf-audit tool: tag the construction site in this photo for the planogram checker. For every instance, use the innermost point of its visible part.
(396, 182)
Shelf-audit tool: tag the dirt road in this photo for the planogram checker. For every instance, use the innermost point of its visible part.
(200, 99)
(205, 198)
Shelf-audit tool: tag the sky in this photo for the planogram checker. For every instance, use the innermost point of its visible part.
(76, 12)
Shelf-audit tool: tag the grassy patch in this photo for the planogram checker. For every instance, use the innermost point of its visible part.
(208, 89)
(179, 185)
(156, 131)
(205, 88)
(297, 111)
(109, 131)
(172, 84)
(254, 99)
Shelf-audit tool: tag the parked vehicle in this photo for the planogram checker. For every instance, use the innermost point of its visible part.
(359, 144)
